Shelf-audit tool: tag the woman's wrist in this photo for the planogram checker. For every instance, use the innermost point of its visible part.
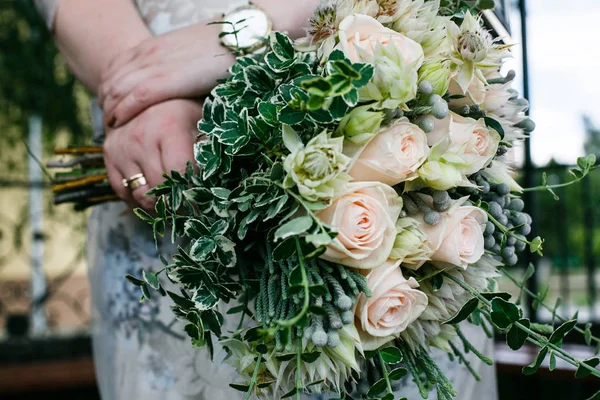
(290, 17)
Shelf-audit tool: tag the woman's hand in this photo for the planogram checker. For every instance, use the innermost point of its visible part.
(160, 139)
(185, 63)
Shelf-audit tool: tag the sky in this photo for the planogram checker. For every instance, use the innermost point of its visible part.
(564, 71)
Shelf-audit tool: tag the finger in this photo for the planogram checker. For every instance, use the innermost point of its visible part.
(137, 193)
(152, 167)
(115, 178)
(121, 89)
(176, 153)
(153, 86)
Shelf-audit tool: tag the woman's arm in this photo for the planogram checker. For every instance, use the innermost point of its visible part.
(90, 33)
(185, 63)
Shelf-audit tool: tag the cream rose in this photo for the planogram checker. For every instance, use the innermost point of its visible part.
(458, 238)
(395, 303)
(468, 143)
(396, 59)
(365, 220)
(393, 155)
(359, 34)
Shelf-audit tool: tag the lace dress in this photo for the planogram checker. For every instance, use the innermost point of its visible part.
(140, 351)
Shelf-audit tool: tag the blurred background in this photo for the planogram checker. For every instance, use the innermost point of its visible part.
(44, 299)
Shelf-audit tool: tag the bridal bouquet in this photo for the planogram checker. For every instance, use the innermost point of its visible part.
(352, 204)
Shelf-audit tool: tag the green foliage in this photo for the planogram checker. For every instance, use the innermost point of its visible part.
(464, 312)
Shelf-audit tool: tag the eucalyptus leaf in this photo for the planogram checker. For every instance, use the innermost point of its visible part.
(464, 312)
(391, 355)
(504, 313)
(516, 337)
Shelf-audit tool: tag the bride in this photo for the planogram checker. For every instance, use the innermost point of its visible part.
(150, 62)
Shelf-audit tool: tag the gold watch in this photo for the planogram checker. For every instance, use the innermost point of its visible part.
(252, 27)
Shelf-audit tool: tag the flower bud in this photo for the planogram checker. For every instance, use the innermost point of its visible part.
(410, 242)
(437, 73)
(439, 175)
(360, 124)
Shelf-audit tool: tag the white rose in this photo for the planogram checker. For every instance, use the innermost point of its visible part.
(393, 155)
(396, 59)
(365, 220)
(359, 34)
(467, 143)
(458, 238)
(395, 303)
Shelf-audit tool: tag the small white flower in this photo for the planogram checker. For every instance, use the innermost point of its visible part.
(317, 169)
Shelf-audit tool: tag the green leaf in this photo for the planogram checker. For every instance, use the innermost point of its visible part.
(495, 125)
(258, 80)
(202, 247)
(290, 393)
(397, 374)
(239, 387)
(284, 250)
(318, 290)
(296, 276)
(151, 279)
(134, 280)
(181, 301)
(262, 349)
(437, 281)
(205, 299)
(535, 365)
(391, 355)
(377, 388)
(289, 116)
(544, 329)
(552, 363)
(268, 112)
(485, 4)
(366, 73)
(587, 334)
(311, 357)
(277, 172)
(146, 292)
(286, 357)
(282, 46)
(345, 69)
(143, 215)
(388, 396)
(317, 310)
(221, 193)
(319, 239)
(559, 334)
(582, 372)
(351, 97)
(294, 227)
(464, 312)
(528, 273)
(317, 86)
(161, 208)
(516, 337)
(504, 313)
(503, 295)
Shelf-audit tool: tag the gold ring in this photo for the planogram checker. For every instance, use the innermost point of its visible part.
(135, 181)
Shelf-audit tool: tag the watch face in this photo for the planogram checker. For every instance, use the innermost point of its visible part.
(253, 26)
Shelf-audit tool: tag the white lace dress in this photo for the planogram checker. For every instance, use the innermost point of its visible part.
(140, 351)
